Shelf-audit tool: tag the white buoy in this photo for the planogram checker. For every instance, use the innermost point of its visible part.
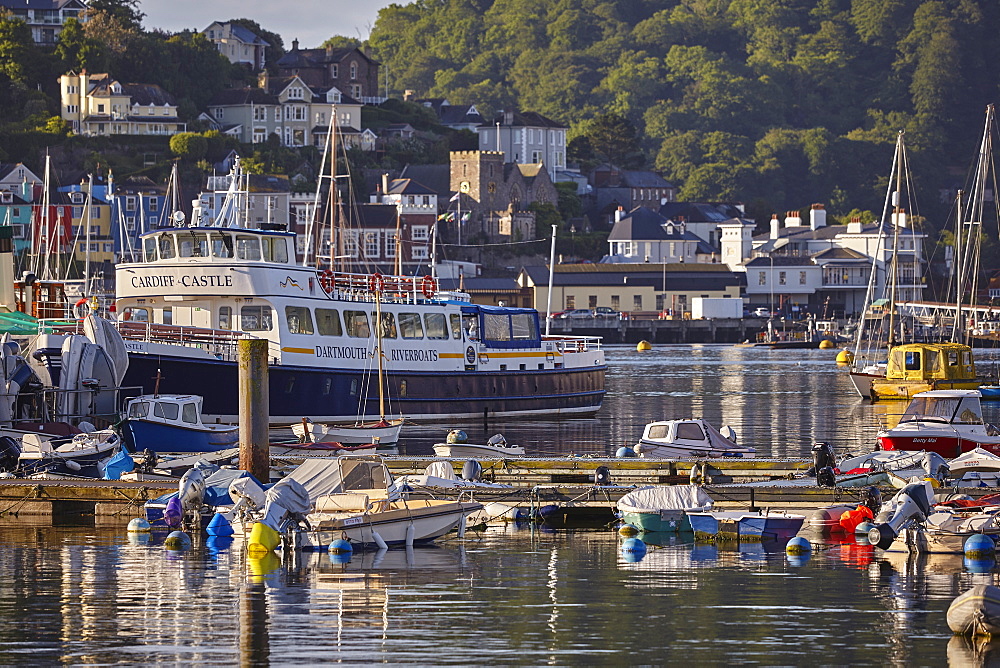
(379, 540)
(138, 525)
(461, 527)
(410, 531)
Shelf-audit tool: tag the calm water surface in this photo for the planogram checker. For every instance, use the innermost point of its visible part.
(516, 595)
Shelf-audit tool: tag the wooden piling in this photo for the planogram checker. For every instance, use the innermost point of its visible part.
(254, 407)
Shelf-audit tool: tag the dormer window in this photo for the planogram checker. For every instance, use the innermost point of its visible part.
(333, 96)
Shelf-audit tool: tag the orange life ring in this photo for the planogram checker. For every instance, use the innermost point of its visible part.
(81, 312)
(376, 283)
(326, 280)
(427, 286)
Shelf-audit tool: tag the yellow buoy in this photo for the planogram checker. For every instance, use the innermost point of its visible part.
(826, 344)
(262, 538)
(845, 357)
(260, 566)
(644, 345)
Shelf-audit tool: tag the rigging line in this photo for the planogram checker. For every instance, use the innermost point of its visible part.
(506, 243)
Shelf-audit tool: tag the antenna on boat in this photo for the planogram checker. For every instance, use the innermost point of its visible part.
(156, 385)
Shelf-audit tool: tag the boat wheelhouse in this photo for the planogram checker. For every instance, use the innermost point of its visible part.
(948, 422)
(922, 367)
(195, 291)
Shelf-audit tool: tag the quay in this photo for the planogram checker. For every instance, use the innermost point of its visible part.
(566, 482)
(667, 330)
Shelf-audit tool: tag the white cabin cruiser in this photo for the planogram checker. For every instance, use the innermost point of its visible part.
(692, 437)
(948, 422)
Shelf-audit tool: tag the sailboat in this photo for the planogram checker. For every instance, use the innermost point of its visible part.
(384, 431)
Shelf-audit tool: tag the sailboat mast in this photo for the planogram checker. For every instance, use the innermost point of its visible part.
(378, 347)
(88, 220)
(894, 264)
(960, 256)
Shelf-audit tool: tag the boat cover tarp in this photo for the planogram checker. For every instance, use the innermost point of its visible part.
(321, 476)
(976, 459)
(122, 462)
(217, 486)
(665, 497)
(895, 460)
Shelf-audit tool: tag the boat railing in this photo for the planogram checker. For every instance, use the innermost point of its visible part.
(44, 405)
(573, 344)
(388, 288)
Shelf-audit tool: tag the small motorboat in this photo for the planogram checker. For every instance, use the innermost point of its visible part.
(771, 525)
(977, 467)
(457, 445)
(948, 422)
(172, 423)
(667, 439)
(80, 456)
(382, 432)
(352, 497)
(663, 507)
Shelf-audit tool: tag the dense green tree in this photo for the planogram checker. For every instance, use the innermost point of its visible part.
(613, 139)
(125, 12)
(77, 52)
(17, 49)
(189, 146)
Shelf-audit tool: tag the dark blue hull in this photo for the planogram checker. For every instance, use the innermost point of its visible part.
(140, 435)
(335, 394)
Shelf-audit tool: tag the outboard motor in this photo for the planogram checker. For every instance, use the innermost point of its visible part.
(191, 493)
(872, 498)
(9, 452)
(825, 477)
(602, 476)
(823, 457)
(497, 439)
(472, 471)
(912, 502)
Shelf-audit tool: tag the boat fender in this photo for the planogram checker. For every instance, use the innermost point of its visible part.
(976, 612)
(341, 546)
(472, 470)
(798, 546)
(628, 530)
(633, 549)
(457, 436)
(602, 476)
(427, 286)
(379, 541)
(73, 466)
(698, 470)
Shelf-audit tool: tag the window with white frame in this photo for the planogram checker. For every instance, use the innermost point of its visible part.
(130, 203)
(354, 70)
(259, 135)
(277, 113)
(419, 252)
(420, 233)
(350, 243)
(390, 245)
(295, 93)
(371, 244)
(334, 70)
(153, 220)
(259, 113)
(153, 204)
(130, 223)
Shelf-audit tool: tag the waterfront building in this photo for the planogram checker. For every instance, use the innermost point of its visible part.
(98, 105)
(45, 18)
(238, 44)
(527, 138)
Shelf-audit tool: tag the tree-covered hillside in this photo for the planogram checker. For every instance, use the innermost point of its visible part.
(774, 102)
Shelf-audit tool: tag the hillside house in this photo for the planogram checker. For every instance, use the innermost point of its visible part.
(97, 105)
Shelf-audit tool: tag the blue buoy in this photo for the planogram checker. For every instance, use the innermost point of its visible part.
(138, 525)
(978, 565)
(798, 546)
(624, 452)
(177, 540)
(548, 512)
(218, 544)
(798, 559)
(633, 545)
(341, 546)
(220, 526)
(339, 557)
(522, 515)
(978, 546)
(864, 528)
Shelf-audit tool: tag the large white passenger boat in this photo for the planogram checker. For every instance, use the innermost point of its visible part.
(197, 290)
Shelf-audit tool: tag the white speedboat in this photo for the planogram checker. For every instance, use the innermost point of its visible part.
(352, 497)
(688, 438)
(458, 446)
(948, 422)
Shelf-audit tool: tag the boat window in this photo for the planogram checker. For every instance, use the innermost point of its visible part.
(255, 318)
(410, 326)
(299, 320)
(497, 326)
(328, 322)
(136, 314)
(165, 410)
(225, 317)
(168, 316)
(523, 326)
(247, 247)
(921, 408)
(658, 431)
(189, 413)
(952, 357)
(436, 325)
(192, 245)
(138, 409)
(275, 250)
(388, 329)
(912, 360)
(970, 411)
(356, 324)
(149, 248)
(966, 357)
(222, 245)
(690, 431)
(456, 326)
(166, 246)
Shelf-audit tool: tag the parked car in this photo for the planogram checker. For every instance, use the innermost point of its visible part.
(577, 313)
(557, 314)
(761, 312)
(606, 312)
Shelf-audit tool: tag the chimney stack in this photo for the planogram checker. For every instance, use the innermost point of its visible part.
(793, 219)
(854, 227)
(775, 226)
(817, 216)
(618, 214)
(899, 219)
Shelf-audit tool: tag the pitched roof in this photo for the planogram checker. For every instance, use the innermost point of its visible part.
(525, 119)
(644, 179)
(700, 212)
(298, 58)
(147, 94)
(246, 36)
(40, 4)
(435, 177)
(373, 215)
(409, 187)
(234, 97)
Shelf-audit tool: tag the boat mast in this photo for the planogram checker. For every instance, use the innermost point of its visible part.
(89, 219)
(311, 222)
(894, 266)
(960, 257)
(378, 350)
(552, 263)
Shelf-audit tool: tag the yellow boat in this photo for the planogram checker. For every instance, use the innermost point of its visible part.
(920, 367)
